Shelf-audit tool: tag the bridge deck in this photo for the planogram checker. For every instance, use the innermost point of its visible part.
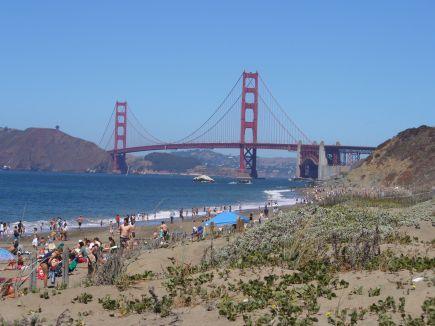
(287, 147)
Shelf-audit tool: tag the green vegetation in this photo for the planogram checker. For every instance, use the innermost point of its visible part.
(310, 247)
(83, 298)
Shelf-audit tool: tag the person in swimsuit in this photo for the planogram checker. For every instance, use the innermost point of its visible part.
(125, 232)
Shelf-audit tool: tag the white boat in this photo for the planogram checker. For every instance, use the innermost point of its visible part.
(244, 180)
(203, 179)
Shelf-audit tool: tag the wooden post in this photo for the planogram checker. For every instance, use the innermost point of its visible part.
(65, 269)
(33, 275)
(212, 227)
(239, 225)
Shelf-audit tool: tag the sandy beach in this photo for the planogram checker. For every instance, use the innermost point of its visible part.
(49, 304)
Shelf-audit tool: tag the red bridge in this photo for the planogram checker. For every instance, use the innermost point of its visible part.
(248, 120)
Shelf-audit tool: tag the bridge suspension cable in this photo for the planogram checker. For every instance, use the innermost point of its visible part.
(106, 129)
(141, 130)
(302, 136)
(220, 106)
(227, 126)
(278, 135)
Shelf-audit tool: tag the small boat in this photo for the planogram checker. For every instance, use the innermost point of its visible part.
(244, 180)
(203, 179)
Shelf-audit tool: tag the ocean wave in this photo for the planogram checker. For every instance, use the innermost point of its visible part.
(276, 194)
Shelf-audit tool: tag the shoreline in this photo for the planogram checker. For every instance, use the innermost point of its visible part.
(274, 196)
(143, 228)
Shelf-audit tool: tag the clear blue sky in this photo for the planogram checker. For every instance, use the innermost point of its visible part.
(355, 71)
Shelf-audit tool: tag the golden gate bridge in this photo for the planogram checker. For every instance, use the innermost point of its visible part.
(249, 118)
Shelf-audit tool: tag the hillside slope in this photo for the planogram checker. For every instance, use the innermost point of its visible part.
(41, 149)
(208, 162)
(170, 162)
(407, 160)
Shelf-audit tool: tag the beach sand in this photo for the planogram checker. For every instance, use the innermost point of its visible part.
(191, 253)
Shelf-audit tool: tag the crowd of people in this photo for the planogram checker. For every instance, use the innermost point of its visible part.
(52, 254)
(8, 231)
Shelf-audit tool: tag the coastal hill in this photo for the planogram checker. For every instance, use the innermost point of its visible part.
(43, 149)
(162, 162)
(405, 160)
(208, 162)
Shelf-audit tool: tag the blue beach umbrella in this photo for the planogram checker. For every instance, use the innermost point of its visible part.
(5, 255)
(226, 218)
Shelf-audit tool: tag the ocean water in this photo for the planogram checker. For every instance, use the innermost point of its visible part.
(36, 196)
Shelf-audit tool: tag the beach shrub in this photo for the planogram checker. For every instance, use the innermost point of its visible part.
(145, 303)
(285, 302)
(428, 308)
(108, 303)
(374, 292)
(83, 298)
(147, 275)
(44, 295)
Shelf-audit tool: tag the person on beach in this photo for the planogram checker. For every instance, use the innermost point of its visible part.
(5, 230)
(164, 230)
(111, 228)
(8, 231)
(16, 234)
(93, 257)
(35, 242)
(194, 232)
(49, 262)
(1, 230)
(117, 219)
(64, 231)
(83, 252)
(125, 232)
(20, 227)
(111, 246)
(80, 221)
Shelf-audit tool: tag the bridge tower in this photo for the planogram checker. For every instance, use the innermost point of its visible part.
(249, 122)
(119, 163)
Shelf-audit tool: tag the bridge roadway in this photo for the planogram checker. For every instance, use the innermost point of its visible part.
(288, 147)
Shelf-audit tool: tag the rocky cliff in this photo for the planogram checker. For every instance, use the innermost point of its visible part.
(407, 159)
